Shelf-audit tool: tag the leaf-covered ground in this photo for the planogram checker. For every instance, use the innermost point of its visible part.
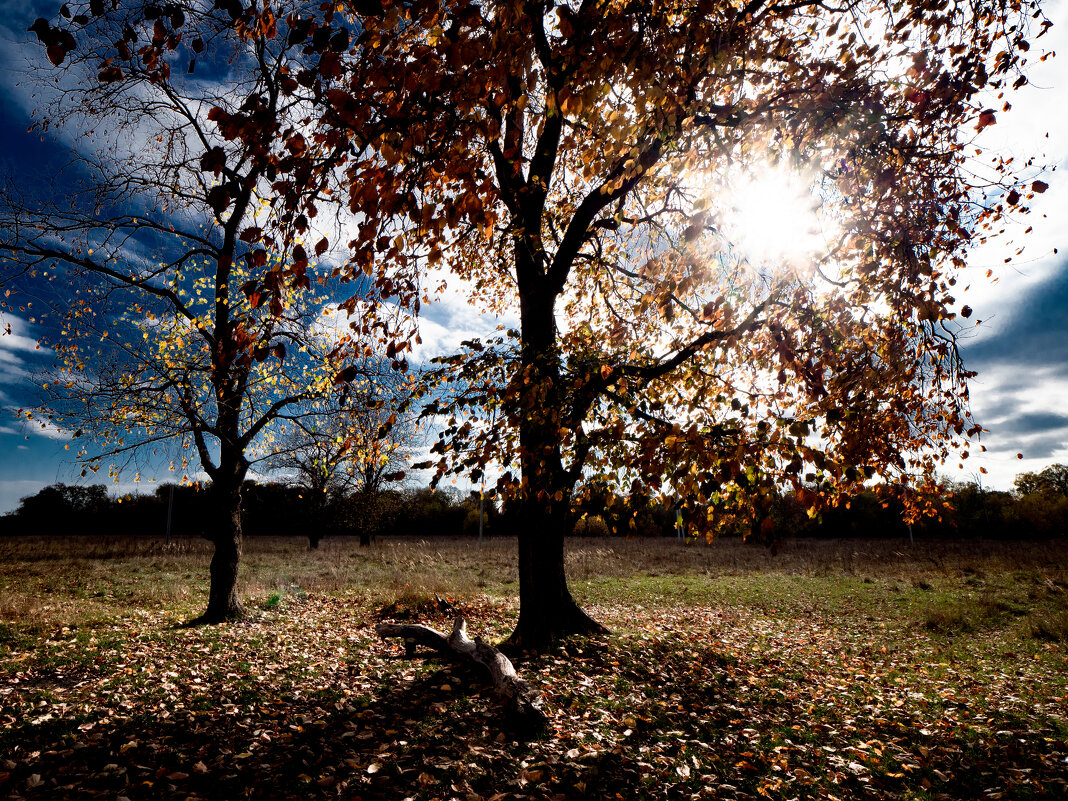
(778, 685)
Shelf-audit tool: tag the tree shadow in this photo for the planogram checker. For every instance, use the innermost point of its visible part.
(403, 740)
(651, 720)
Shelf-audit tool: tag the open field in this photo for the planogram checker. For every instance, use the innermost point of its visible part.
(832, 669)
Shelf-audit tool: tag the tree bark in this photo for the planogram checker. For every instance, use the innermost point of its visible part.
(522, 701)
(547, 612)
(223, 601)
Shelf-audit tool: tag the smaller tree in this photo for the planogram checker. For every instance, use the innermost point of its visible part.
(181, 321)
(350, 451)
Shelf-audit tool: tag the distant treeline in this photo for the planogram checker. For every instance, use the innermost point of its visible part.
(270, 509)
(1037, 509)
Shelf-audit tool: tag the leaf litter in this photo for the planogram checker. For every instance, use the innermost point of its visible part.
(683, 702)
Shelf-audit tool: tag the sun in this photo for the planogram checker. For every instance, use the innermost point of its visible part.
(772, 216)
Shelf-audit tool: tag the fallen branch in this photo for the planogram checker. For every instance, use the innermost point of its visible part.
(520, 697)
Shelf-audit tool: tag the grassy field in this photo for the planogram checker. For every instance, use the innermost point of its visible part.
(829, 670)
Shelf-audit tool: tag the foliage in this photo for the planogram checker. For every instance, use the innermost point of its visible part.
(428, 512)
(591, 158)
(64, 507)
(1050, 482)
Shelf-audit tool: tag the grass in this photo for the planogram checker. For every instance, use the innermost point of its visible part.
(833, 669)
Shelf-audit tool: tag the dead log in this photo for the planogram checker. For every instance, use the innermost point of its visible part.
(521, 699)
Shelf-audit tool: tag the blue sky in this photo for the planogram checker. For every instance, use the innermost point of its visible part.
(1020, 349)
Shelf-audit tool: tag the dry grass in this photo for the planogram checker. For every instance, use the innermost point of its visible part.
(49, 581)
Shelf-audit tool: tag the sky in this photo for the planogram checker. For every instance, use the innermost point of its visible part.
(1019, 349)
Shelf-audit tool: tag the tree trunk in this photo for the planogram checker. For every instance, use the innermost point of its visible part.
(547, 612)
(223, 602)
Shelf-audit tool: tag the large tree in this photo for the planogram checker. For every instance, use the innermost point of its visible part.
(179, 322)
(600, 169)
(615, 173)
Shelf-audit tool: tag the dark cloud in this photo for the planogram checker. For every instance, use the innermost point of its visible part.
(1025, 424)
(1032, 334)
(1044, 448)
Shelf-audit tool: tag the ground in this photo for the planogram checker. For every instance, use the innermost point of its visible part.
(829, 670)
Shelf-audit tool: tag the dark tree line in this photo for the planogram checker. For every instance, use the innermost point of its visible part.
(270, 509)
(1037, 509)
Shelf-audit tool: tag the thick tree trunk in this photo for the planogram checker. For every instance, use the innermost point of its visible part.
(223, 602)
(547, 612)
(521, 699)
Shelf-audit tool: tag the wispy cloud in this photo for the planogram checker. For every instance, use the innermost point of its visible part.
(45, 428)
(17, 345)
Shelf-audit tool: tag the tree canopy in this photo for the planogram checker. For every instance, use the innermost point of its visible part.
(730, 232)
(1052, 481)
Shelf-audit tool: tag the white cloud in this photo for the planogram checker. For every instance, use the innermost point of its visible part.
(453, 316)
(16, 343)
(15, 334)
(45, 428)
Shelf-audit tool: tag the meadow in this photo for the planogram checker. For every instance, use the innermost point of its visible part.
(831, 669)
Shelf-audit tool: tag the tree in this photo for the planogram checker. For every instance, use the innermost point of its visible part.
(587, 165)
(1052, 481)
(62, 508)
(355, 447)
(592, 167)
(212, 343)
